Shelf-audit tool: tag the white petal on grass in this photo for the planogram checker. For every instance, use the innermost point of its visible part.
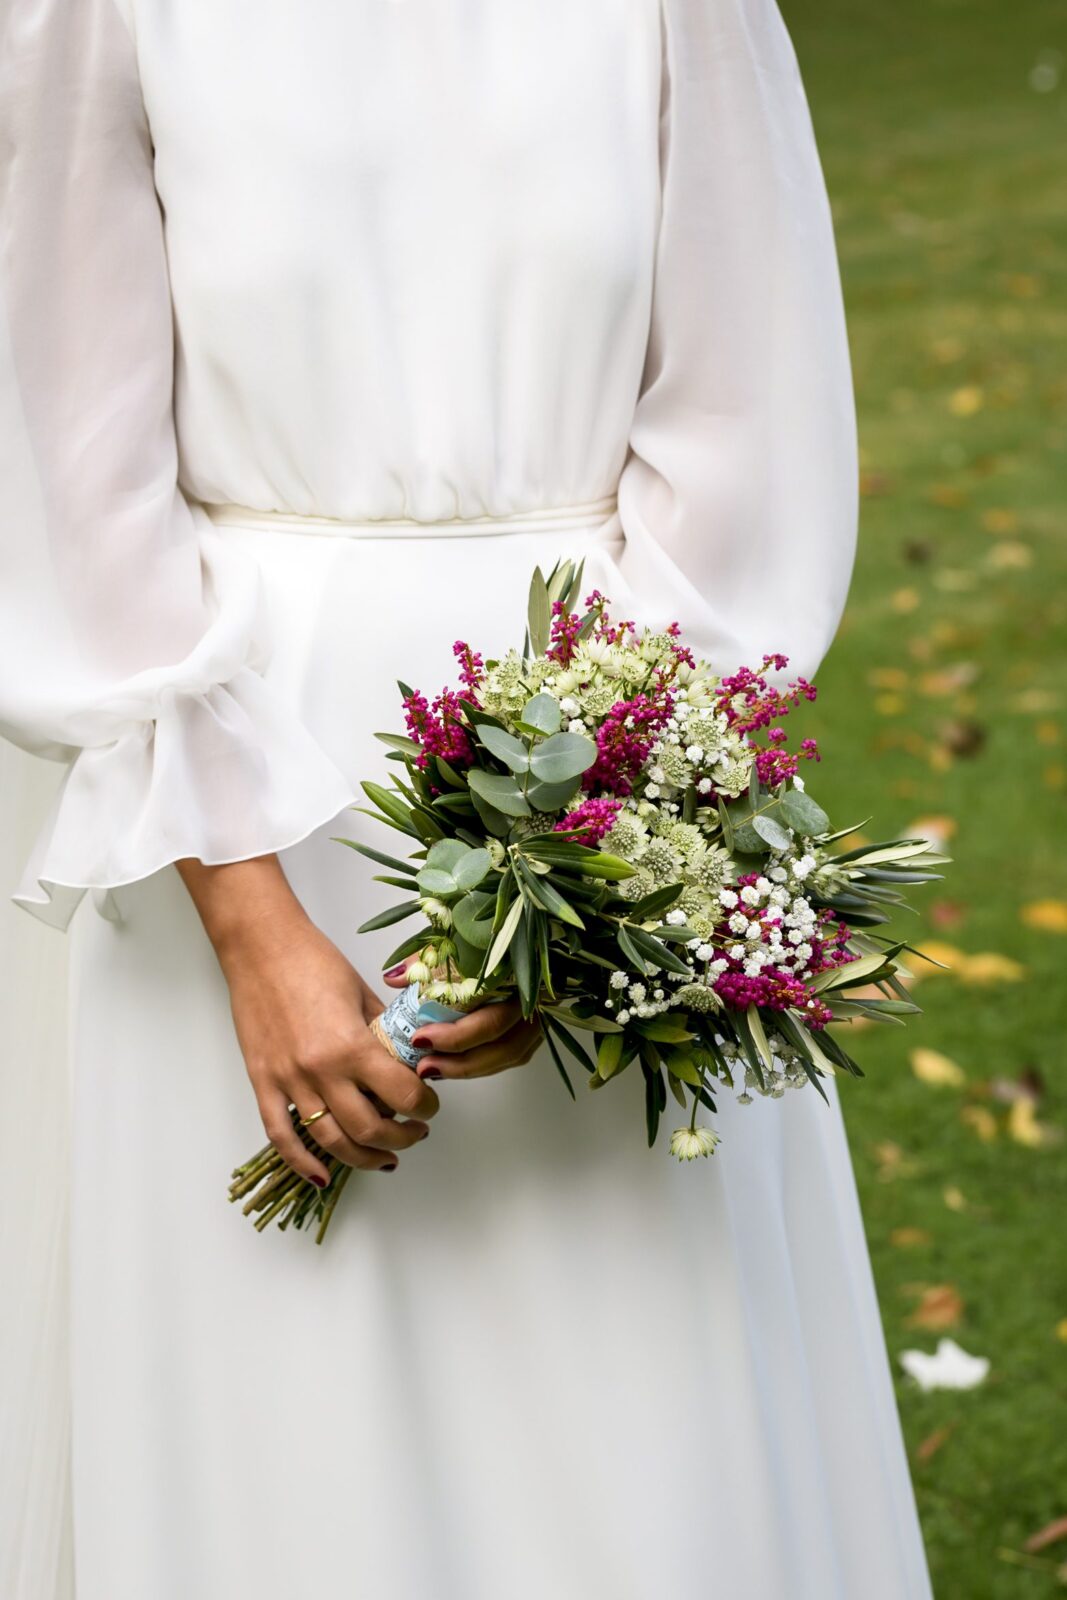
(950, 1367)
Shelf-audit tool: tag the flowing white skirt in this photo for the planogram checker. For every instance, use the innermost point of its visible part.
(538, 1360)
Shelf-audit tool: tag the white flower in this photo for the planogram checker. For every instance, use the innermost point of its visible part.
(804, 952)
(675, 918)
(727, 898)
(657, 774)
(737, 952)
(694, 753)
(753, 931)
(637, 993)
(704, 786)
(798, 782)
(738, 922)
(569, 706)
(688, 1143)
(763, 885)
(949, 1368)
(618, 980)
(750, 895)
(623, 1017)
(705, 952)
(778, 874)
(652, 790)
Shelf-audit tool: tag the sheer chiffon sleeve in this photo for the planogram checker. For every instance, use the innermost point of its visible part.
(738, 498)
(131, 640)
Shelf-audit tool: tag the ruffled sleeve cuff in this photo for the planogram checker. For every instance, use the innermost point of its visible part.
(220, 775)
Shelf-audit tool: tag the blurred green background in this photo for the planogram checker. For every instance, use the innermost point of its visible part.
(943, 130)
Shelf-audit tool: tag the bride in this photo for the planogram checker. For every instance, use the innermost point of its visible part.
(323, 326)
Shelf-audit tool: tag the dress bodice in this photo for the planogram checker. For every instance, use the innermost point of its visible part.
(410, 246)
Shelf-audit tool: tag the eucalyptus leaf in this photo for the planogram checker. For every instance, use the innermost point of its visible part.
(432, 880)
(548, 797)
(473, 917)
(543, 713)
(446, 854)
(500, 791)
(511, 751)
(776, 836)
(563, 756)
(802, 813)
(472, 868)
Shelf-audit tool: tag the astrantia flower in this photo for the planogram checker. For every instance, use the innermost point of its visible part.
(688, 1143)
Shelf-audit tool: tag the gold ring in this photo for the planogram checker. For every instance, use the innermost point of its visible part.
(314, 1117)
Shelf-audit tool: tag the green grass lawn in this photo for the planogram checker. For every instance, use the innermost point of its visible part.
(943, 131)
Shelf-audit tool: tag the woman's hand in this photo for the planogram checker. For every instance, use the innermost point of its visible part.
(485, 1041)
(301, 1012)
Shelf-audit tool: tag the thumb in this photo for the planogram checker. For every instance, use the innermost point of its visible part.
(396, 977)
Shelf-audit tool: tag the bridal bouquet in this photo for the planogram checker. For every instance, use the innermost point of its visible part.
(606, 829)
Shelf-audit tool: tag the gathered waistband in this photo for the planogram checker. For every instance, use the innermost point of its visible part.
(551, 519)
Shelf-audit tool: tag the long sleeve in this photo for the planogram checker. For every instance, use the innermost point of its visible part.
(131, 638)
(738, 498)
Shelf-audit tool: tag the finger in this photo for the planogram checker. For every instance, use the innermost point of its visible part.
(328, 1133)
(396, 977)
(395, 1085)
(477, 1027)
(274, 1109)
(513, 1050)
(367, 1127)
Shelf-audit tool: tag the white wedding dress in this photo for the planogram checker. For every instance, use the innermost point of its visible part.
(324, 324)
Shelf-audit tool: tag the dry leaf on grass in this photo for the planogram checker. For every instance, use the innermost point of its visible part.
(1051, 1533)
(981, 1120)
(933, 1442)
(909, 1238)
(1048, 916)
(930, 1066)
(954, 1198)
(1025, 1128)
(940, 1306)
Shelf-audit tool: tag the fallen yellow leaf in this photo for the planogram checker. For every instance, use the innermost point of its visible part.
(954, 1198)
(966, 402)
(982, 1120)
(908, 1238)
(1011, 555)
(930, 1066)
(1048, 915)
(989, 967)
(1025, 1128)
(1061, 1329)
(904, 600)
(890, 705)
(949, 955)
(1000, 520)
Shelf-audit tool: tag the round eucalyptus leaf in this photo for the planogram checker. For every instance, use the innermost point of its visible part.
(470, 871)
(778, 837)
(500, 791)
(802, 813)
(552, 796)
(511, 751)
(446, 854)
(563, 756)
(432, 880)
(543, 713)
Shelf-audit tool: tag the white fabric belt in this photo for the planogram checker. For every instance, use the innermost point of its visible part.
(588, 514)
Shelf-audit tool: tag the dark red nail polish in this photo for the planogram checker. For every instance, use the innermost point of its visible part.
(390, 1166)
(423, 1133)
(320, 1183)
(421, 1042)
(394, 972)
(430, 1072)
